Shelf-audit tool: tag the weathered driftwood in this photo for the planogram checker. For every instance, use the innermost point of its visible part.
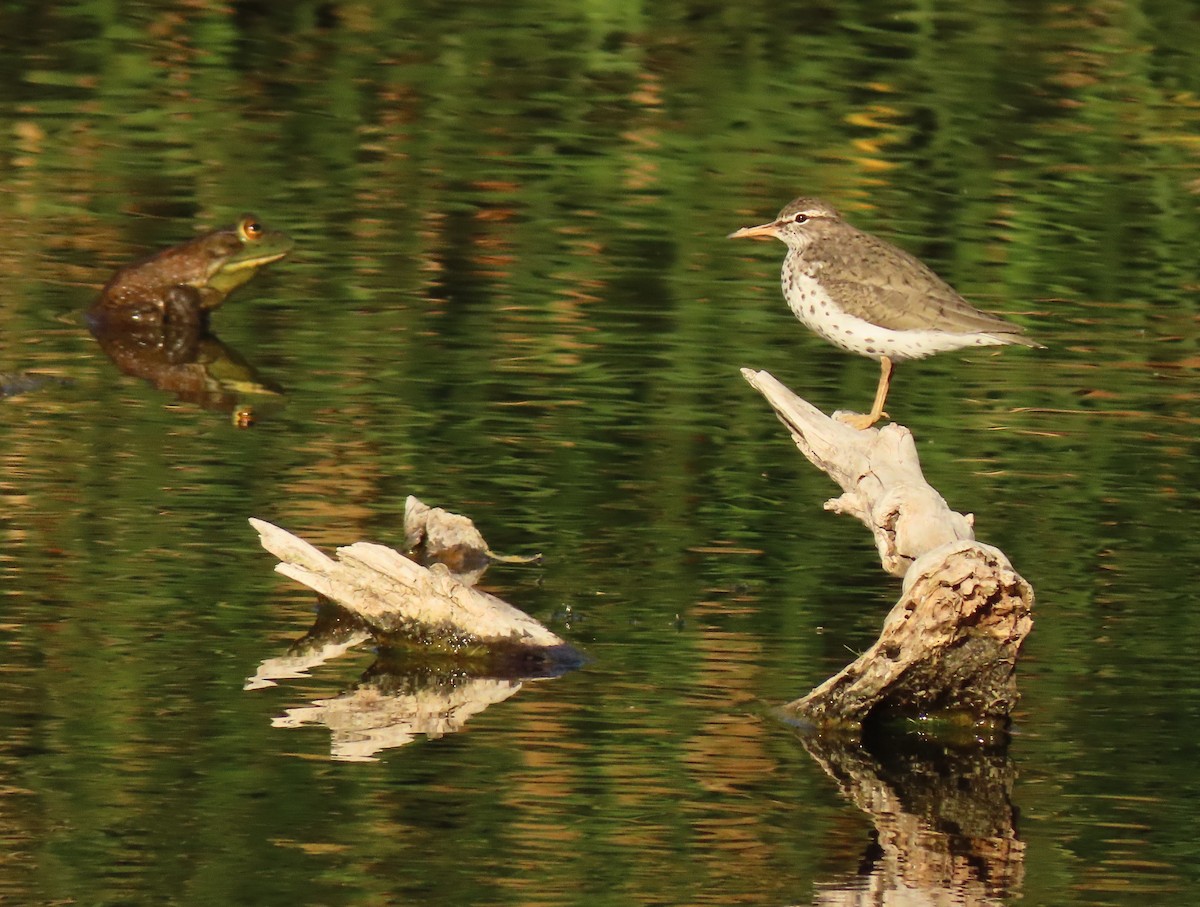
(951, 643)
(435, 535)
(398, 598)
(447, 651)
(438, 536)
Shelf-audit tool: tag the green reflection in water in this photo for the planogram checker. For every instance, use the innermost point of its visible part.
(511, 295)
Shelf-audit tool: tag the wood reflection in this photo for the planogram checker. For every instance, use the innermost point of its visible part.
(945, 824)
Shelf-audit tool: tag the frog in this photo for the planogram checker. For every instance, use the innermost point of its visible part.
(184, 283)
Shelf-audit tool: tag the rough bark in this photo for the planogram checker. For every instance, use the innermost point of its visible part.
(951, 643)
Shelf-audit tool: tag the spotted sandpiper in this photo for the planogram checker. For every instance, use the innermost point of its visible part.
(869, 297)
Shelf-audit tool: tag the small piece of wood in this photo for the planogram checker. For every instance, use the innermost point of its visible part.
(951, 643)
(442, 536)
(397, 597)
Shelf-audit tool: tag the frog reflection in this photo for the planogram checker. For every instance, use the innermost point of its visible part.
(188, 361)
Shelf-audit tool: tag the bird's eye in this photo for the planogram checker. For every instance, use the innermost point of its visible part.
(800, 218)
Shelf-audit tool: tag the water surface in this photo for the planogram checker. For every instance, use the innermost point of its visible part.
(511, 296)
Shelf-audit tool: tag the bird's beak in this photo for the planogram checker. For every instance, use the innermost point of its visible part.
(762, 231)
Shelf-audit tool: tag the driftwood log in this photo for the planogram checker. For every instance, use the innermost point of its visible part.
(950, 644)
(399, 600)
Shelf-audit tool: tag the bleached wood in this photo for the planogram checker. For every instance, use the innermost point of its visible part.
(951, 642)
(879, 473)
(395, 595)
(439, 530)
(949, 645)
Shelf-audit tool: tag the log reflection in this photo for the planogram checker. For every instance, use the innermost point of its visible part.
(406, 694)
(945, 825)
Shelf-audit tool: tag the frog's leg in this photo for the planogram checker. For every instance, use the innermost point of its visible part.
(182, 305)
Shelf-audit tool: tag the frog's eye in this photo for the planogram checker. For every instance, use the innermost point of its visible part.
(250, 229)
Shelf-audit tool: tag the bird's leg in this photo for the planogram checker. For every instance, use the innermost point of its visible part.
(860, 421)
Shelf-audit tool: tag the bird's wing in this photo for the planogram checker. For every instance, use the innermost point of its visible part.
(887, 286)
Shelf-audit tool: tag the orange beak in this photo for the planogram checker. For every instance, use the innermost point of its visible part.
(762, 231)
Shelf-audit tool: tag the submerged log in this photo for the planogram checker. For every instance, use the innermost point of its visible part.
(950, 644)
(400, 600)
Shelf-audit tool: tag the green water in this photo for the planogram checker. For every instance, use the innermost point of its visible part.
(511, 296)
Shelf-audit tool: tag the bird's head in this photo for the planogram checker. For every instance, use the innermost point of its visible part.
(796, 225)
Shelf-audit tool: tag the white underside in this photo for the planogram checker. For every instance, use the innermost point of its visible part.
(816, 310)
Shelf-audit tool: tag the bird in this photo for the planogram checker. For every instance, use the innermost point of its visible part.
(869, 297)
